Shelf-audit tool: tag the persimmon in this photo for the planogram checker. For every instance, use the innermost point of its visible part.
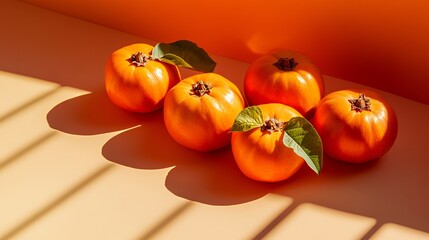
(199, 111)
(135, 81)
(355, 125)
(287, 77)
(271, 142)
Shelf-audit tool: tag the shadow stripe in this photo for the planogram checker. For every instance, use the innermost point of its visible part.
(372, 231)
(276, 221)
(11, 233)
(167, 220)
(29, 103)
(26, 149)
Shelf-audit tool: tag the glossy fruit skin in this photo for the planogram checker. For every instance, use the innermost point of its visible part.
(138, 88)
(353, 136)
(301, 88)
(261, 155)
(202, 123)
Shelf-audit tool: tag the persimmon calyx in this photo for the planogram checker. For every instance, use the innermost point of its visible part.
(272, 125)
(139, 59)
(200, 88)
(286, 64)
(362, 103)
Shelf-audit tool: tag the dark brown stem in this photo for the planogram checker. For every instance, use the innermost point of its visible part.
(362, 103)
(286, 64)
(200, 88)
(139, 59)
(272, 125)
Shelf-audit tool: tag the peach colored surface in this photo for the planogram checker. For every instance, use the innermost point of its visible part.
(73, 166)
(381, 43)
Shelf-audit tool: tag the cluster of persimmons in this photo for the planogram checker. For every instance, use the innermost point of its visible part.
(282, 120)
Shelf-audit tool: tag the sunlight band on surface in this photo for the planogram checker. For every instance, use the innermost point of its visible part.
(55, 203)
(21, 92)
(284, 218)
(311, 221)
(56, 183)
(393, 231)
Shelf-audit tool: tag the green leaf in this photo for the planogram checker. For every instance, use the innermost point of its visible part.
(185, 54)
(301, 136)
(247, 119)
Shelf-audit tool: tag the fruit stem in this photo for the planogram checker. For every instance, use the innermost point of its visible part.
(200, 88)
(139, 59)
(286, 64)
(272, 125)
(361, 103)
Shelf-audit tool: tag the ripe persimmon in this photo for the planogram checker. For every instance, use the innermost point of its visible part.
(287, 77)
(135, 81)
(355, 125)
(260, 152)
(200, 110)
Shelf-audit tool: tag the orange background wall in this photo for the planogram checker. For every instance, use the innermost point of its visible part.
(383, 43)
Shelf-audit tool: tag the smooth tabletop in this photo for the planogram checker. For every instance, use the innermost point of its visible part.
(74, 166)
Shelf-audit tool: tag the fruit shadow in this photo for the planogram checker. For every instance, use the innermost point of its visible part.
(91, 114)
(373, 189)
(211, 178)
